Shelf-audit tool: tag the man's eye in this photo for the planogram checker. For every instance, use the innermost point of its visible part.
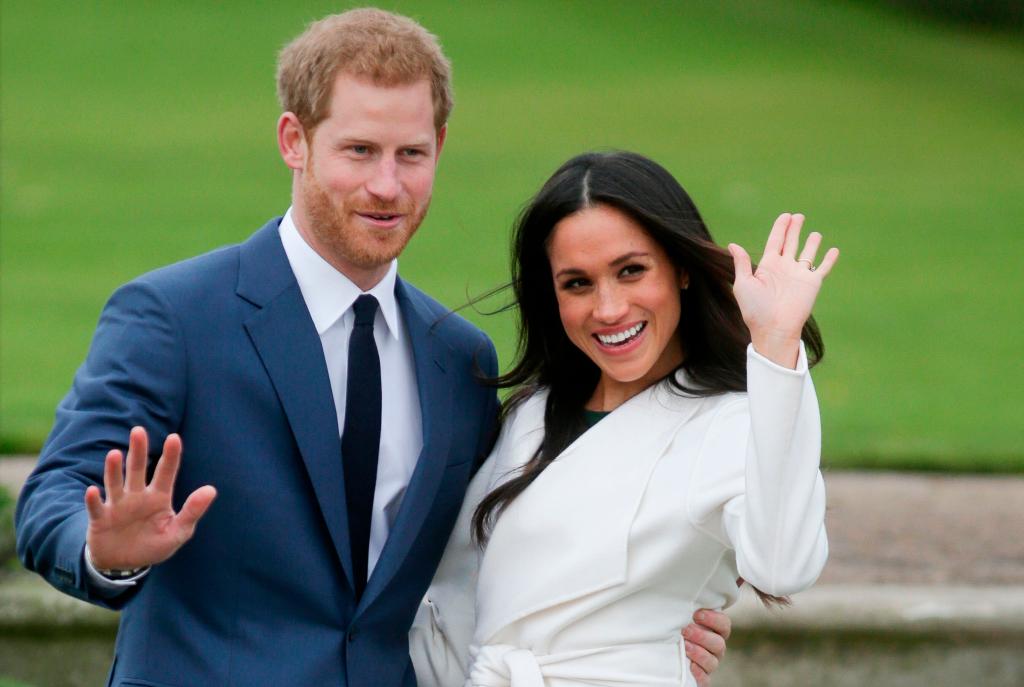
(359, 150)
(412, 152)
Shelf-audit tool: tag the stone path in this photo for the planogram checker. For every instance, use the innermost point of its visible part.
(14, 470)
(924, 529)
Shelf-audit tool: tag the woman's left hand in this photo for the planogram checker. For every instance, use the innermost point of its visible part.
(777, 299)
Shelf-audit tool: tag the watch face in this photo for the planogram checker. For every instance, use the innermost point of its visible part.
(119, 574)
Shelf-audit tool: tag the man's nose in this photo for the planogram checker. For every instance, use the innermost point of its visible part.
(384, 183)
(611, 305)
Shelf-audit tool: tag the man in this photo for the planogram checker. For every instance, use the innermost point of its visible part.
(330, 408)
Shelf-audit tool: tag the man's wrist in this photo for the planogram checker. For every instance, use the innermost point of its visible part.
(114, 574)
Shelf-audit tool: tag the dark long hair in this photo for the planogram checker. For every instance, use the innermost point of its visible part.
(711, 330)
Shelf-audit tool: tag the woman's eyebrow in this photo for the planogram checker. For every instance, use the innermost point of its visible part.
(569, 271)
(614, 263)
(627, 257)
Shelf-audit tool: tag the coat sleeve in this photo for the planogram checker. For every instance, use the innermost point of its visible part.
(133, 375)
(760, 460)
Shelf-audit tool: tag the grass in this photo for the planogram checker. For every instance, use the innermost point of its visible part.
(138, 134)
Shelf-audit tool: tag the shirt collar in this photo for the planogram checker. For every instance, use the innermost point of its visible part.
(328, 293)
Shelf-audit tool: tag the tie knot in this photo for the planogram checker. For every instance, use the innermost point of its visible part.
(365, 308)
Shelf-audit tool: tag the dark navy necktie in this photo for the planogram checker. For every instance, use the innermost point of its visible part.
(360, 438)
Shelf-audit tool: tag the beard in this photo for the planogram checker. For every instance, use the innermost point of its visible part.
(349, 239)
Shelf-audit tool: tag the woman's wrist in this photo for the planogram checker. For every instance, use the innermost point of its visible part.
(783, 350)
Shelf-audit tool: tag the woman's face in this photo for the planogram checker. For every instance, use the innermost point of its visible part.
(618, 297)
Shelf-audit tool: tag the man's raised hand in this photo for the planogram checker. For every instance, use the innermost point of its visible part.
(136, 525)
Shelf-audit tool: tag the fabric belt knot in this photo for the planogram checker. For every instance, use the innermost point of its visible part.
(653, 664)
(502, 665)
(360, 438)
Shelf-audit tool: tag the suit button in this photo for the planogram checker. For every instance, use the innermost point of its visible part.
(351, 636)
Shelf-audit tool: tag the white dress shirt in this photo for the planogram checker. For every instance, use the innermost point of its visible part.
(329, 296)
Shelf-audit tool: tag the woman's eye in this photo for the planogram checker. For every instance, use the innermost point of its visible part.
(574, 284)
(632, 270)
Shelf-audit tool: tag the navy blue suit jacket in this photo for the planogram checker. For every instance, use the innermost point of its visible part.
(222, 350)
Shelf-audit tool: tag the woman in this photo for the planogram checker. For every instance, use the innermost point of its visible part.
(663, 442)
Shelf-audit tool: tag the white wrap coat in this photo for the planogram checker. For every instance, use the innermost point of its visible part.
(591, 573)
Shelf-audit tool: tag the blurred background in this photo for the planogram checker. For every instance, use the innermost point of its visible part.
(137, 134)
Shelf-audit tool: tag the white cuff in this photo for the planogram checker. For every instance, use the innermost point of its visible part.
(103, 582)
(801, 360)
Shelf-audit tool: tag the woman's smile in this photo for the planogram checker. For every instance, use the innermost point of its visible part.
(620, 341)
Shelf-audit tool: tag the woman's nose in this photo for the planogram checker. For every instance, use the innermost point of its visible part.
(611, 305)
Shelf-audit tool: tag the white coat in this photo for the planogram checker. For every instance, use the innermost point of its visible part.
(591, 573)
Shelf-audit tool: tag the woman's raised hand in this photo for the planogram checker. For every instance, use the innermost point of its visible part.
(777, 299)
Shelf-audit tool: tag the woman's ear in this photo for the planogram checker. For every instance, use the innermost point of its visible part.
(684, 280)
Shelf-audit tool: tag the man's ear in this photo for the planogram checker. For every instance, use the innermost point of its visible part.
(441, 135)
(291, 141)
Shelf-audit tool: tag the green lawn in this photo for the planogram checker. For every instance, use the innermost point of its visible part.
(136, 134)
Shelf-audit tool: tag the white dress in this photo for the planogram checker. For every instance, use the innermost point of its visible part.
(592, 572)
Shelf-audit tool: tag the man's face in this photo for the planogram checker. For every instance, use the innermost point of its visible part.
(368, 175)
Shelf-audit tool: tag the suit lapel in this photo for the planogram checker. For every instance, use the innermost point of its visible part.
(289, 346)
(431, 355)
